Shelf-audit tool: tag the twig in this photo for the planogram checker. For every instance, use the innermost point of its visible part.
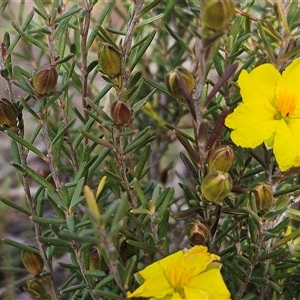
(29, 199)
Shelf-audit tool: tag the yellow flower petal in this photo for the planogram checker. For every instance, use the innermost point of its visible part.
(197, 259)
(158, 268)
(290, 82)
(259, 85)
(211, 282)
(294, 126)
(284, 146)
(253, 123)
(156, 287)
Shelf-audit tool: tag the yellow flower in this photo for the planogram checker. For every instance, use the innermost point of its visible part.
(270, 112)
(191, 274)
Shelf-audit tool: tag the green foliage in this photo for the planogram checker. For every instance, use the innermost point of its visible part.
(144, 176)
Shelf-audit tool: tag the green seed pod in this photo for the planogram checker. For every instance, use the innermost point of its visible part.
(216, 14)
(109, 61)
(33, 262)
(264, 196)
(45, 80)
(216, 186)
(172, 82)
(197, 231)
(121, 112)
(8, 114)
(220, 158)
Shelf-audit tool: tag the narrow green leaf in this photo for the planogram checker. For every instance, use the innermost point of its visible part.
(34, 175)
(98, 140)
(148, 7)
(62, 131)
(108, 295)
(104, 282)
(142, 162)
(29, 38)
(44, 220)
(140, 104)
(178, 39)
(140, 194)
(150, 20)
(18, 36)
(72, 11)
(55, 242)
(26, 144)
(106, 38)
(21, 246)
(40, 6)
(159, 86)
(76, 197)
(141, 245)
(138, 142)
(143, 49)
(95, 273)
(99, 21)
(130, 264)
(120, 210)
(165, 203)
(15, 206)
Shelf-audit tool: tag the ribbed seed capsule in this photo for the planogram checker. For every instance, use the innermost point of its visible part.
(172, 82)
(216, 14)
(33, 262)
(109, 61)
(216, 186)
(264, 196)
(197, 231)
(45, 80)
(220, 158)
(121, 112)
(8, 114)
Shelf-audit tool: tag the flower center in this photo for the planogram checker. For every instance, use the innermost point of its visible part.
(286, 105)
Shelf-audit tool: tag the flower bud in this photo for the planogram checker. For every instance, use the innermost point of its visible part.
(36, 288)
(121, 112)
(263, 196)
(172, 82)
(109, 61)
(33, 262)
(216, 186)
(220, 158)
(45, 80)
(216, 14)
(197, 231)
(8, 114)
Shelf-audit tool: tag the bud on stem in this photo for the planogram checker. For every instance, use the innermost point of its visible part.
(45, 80)
(216, 186)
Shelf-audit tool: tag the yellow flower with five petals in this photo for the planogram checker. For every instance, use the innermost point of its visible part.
(269, 112)
(191, 274)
